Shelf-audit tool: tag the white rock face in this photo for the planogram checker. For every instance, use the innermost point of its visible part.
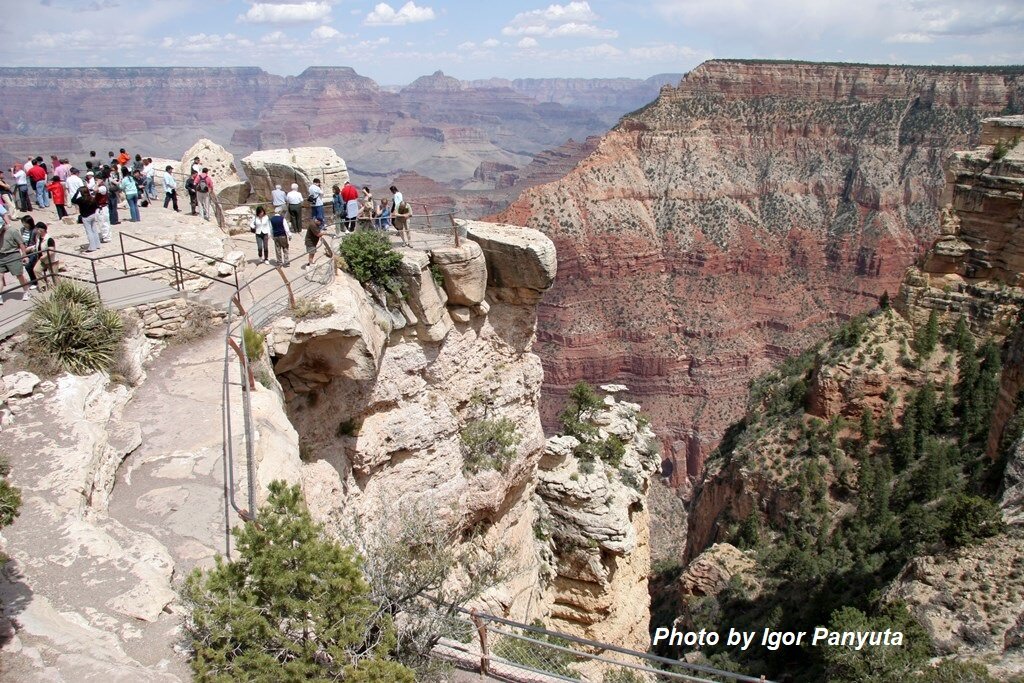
(300, 165)
(18, 384)
(521, 263)
(226, 181)
(465, 272)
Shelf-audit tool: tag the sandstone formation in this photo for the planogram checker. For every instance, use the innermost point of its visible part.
(266, 168)
(731, 222)
(520, 266)
(597, 524)
(226, 182)
(712, 570)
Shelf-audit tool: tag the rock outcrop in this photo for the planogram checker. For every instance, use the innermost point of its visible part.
(596, 519)
(226, 182)
(731, 222)
(267, 168)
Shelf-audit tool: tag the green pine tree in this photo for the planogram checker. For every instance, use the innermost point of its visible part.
(927, 337)
(292, 606)
(962, 339)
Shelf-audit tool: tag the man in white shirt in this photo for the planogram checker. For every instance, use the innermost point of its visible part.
(74, 184)
(316, 193)
(21, 187)
(294, 200)
(277, 198)
(170, 189)
(397, 197)
(149, 175)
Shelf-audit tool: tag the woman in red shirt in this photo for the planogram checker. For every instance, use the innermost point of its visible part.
(56, 190)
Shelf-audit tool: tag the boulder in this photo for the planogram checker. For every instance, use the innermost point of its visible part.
(426, 299)
(465, 272)
(234, 260)
(711, 572)
(521, 262)
(222, 168)
(19, 384)
(300, 165)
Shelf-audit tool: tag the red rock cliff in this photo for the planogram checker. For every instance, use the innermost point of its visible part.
(732, 221)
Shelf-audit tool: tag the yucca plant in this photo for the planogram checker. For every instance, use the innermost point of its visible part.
(72, 328)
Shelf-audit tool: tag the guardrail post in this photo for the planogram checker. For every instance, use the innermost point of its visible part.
(96, 281)
(124, 258)
(481, 631)
(288, 286)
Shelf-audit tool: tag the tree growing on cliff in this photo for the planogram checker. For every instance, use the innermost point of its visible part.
(927, 337)
(293, 606)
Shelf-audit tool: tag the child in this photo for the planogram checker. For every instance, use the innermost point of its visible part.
(56, 190)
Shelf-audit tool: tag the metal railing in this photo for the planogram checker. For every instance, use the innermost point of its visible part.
(514, 651)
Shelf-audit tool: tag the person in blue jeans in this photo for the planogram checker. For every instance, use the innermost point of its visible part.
(131, 195)
(316, 194)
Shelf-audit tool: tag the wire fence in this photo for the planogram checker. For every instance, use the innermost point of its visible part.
(508, 650)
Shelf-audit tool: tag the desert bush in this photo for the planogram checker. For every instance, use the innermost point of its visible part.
(371, 258)
(73, 329)
(489, 444)
(310, 308)
(252, 343)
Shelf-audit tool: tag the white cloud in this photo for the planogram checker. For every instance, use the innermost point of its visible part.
(909, 38)
(777, 23)
(211, 43)
(289, 13)
(490, 42)
(468, 45)
(275, 37)
(325, 33)
(384, 14)
(527, 43)
(573, 20)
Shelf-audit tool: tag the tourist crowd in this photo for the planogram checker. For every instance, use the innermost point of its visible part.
(99, 190)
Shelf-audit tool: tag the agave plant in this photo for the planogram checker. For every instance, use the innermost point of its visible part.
(72, 328)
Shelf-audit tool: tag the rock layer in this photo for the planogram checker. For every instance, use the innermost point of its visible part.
(801, 190)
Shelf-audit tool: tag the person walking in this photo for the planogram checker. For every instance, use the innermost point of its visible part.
(13, 257)
(294, 199)
(261, 228)
(313, 234)
(41, 251)
(401, 219)
(86, 204)
(131, 195)
(170, 189)
(316, 198)
(204, 191)
(279, 233)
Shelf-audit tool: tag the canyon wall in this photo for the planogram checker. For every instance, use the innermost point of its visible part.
(437, 126)
(801, 190)
(383, 391)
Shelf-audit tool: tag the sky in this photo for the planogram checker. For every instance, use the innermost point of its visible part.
(396, 42)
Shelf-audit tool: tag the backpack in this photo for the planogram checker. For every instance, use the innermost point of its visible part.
(202, 185)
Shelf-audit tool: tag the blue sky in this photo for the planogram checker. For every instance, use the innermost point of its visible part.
(395, 42)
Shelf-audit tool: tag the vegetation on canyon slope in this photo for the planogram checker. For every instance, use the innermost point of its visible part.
(865, 495)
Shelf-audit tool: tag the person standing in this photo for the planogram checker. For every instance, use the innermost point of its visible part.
(204, 191)
(149, 173)
(316, 198)
(261, 228)
(294, 199)
(73, 184)
(21, 183)
(396, 198)
(190, 187)
(87, 210)
(41, 251)
(131, 195)
(37, 181)
(113, 190)
(277, 198)
(401, 218)
(279, 233)
(170, 189)
(123, 158)
(102, 220)
(350, 195)
(56, 190)
(337, 208)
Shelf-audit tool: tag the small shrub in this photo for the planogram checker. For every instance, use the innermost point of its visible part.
(10, 502)
(970, 520)
(1003, 147)
(489, 444)
(252, 343)
(435, 272)
(348, 427)
(370, 258)
(73, 329)
(310, 308)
